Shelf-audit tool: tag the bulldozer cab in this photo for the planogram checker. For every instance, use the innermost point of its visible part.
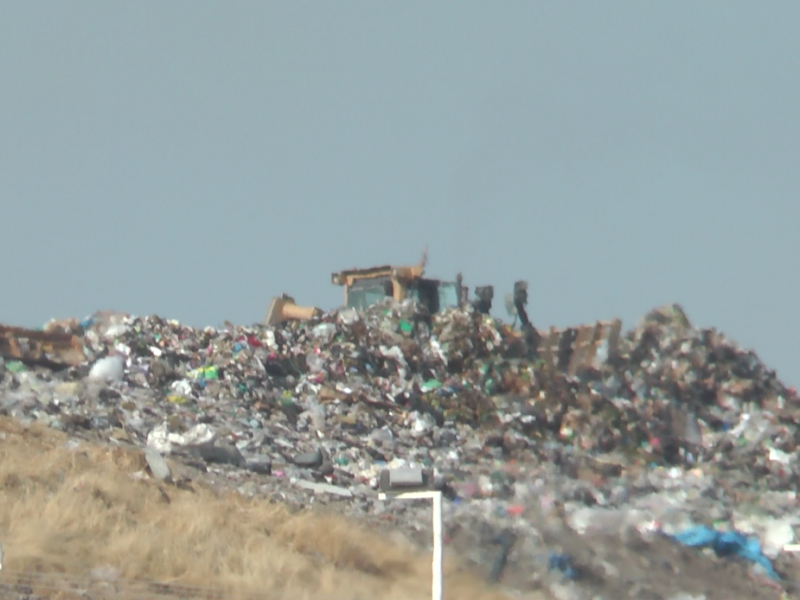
(435, 295)
(365, 287)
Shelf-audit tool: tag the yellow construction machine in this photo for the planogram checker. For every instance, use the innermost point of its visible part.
(567, 349)
(364, 287)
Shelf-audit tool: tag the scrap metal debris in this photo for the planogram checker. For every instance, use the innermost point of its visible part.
(54, 349)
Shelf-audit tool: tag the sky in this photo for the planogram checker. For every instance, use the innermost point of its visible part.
(194, 159)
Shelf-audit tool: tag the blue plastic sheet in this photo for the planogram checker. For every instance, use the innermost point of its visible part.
(727, 543)
(561, 563)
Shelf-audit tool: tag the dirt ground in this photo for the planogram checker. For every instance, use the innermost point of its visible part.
(76, 522)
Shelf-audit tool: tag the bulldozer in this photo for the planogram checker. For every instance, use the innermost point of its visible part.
(566, 349)
(367, 286)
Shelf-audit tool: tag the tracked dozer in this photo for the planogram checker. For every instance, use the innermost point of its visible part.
(364, 287)
(567, 349)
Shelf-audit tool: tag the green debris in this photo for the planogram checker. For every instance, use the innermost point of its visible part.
(430, 385)
(287, 400)
(15, 366)
(207, 373)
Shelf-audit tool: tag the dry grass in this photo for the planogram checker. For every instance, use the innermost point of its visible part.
(71, 511)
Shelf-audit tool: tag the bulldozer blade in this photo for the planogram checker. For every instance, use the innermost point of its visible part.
(283, 308)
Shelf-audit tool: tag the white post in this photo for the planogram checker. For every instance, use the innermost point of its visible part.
(436, 566)
(436, 592)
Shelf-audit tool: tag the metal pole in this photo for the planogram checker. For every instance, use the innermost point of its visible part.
(436, 500)
(437, 546)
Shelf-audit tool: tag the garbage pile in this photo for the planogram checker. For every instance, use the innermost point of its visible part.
(681, 428)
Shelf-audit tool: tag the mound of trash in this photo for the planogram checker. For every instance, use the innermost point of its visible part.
(678, 428)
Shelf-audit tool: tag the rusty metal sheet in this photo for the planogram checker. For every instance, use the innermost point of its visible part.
(48, 348)
(566, 347)
(548, 346)
(584, 348)
(612, 333)
(570, 348)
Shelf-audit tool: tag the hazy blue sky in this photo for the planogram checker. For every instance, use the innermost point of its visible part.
(192, 159)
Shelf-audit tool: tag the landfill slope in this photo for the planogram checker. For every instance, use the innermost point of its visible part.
(80, 516)
(603, 483)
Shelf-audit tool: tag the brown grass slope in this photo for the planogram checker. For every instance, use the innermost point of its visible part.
(69, 511)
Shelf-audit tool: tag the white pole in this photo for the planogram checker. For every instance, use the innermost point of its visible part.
(436, 498)
(437, 547)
